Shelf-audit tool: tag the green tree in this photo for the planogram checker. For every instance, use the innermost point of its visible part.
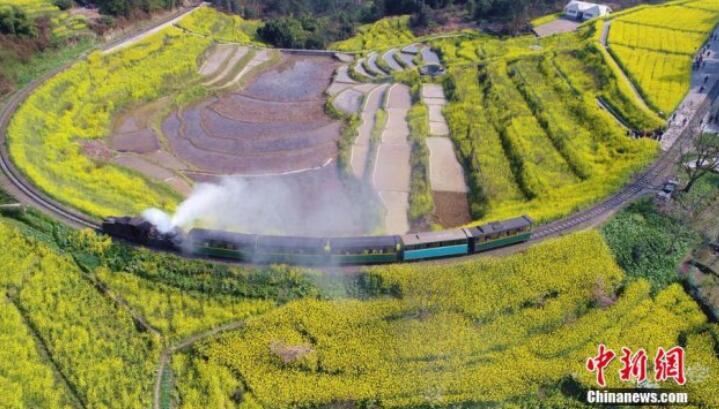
(14, 21)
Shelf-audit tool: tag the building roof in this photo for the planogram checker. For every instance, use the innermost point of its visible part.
(433, 237)
(585, 7)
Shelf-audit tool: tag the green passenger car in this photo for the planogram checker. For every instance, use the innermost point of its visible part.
(500, 234)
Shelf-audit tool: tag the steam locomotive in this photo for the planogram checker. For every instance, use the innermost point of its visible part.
(324, 251)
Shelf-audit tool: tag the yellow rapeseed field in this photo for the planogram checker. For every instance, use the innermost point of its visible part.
(485, 331)
(382, 35)
(656, 46)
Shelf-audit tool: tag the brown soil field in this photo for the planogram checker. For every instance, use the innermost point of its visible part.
(296, 78)
(275, 124)
(451, 209)
(241, 108)
(142, 141)
(272, 136)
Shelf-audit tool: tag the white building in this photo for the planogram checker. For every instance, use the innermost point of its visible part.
(582, 10)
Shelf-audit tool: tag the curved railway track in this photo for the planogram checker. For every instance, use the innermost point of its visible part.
(16, 184)
(643, 184)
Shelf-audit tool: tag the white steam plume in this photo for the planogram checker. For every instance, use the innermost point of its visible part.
(264, 205)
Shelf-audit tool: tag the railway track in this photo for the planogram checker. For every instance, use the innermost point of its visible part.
(20, 188)
(645, 183)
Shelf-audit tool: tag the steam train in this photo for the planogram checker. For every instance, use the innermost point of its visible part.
(324, 251)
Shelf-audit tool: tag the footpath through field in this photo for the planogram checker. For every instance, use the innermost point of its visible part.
(153, 30)
(392, 171)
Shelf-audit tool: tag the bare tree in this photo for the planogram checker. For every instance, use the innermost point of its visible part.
(700, 159)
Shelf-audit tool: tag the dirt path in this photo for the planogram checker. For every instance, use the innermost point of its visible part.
(155, 29)
(392, 171)
(185, 343)
(361, 146)
(604, 43)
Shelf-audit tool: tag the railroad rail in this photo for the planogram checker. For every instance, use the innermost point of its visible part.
(19, 187)
(642, 184)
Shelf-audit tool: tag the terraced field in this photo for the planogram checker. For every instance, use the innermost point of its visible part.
(524, 122)
(528, 127)
(656, 47)
(274, 125)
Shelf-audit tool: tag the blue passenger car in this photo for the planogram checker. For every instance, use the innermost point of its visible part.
(422, 246)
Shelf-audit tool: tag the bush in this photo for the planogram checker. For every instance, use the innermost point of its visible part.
(14, 21)
(63, 4)
(649, 244)
(291, 32)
